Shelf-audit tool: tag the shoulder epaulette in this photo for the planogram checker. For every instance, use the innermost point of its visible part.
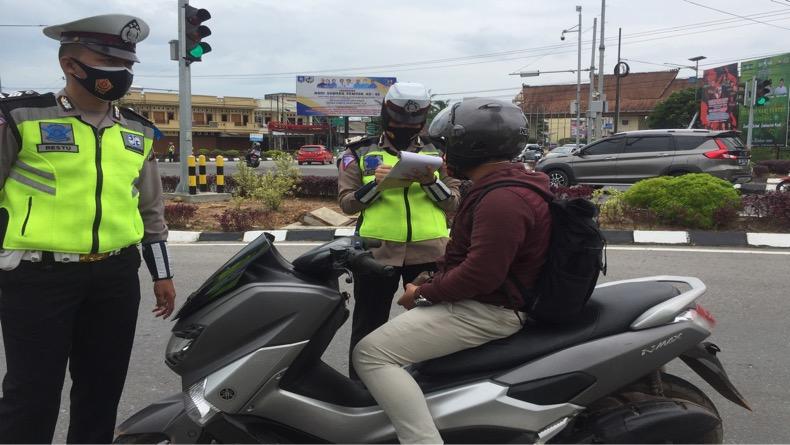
(20, 99)
(361, 142)
(132, 115)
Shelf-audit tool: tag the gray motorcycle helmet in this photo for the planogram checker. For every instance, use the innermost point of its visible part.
(478, 130)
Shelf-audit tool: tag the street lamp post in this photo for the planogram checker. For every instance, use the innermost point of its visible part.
(578, 30)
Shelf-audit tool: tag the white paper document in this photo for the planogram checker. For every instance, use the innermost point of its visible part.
(410, 165)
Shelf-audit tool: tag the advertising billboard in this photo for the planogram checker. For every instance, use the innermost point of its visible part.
(341, 95)
(719, 104)
(770, 120)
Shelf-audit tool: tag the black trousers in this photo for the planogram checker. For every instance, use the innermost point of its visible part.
(372, 302)
(83, 314)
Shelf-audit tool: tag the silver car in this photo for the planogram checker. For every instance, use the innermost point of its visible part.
(628, 157)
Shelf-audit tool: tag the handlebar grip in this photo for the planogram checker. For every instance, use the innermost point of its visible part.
(365, 264)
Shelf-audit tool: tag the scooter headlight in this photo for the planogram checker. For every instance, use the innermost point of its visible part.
(197, 407)
(180, 343)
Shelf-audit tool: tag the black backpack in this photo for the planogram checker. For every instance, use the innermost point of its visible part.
(574, 260)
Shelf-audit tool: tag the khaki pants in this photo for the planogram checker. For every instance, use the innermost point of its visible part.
(421, 334)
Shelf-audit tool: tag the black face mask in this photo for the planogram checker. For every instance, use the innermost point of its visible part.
(401, 137)
(106, 83)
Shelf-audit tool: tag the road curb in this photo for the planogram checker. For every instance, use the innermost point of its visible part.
(675, 238)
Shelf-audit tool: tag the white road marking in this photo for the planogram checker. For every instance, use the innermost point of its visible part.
(756, 251)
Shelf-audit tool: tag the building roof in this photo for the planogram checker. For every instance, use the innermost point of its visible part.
(639, 93)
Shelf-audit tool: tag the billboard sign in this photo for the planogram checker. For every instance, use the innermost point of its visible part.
(719, 101)
(341, 95)
(770, 120)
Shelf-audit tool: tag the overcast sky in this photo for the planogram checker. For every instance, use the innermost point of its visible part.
(267, 37)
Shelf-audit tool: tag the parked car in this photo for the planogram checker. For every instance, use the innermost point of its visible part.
(308, 154)
(531, 152)
(628, 157)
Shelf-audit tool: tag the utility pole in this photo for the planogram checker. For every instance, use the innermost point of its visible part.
(617, 99)
(184, 100)
(599, 117)
(752, 93)
(579, 78)
(591, 116)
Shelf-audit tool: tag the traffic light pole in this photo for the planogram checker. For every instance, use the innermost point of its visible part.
(753, 87)
(184, 100)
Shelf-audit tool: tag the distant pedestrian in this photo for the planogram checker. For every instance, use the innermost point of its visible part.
(171, 152)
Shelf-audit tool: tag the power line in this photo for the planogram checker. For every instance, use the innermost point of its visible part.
(389, 67)
(22, 26)
(735, 15)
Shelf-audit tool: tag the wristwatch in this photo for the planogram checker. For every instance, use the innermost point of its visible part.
(419, 300)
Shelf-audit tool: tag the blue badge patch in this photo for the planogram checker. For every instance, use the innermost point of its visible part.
(56, 133)
(133, 142)
(371, 163)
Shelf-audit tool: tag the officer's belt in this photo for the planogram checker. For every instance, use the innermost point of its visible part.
(37, 256)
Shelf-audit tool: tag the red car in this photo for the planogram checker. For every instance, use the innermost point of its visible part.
(313, 153)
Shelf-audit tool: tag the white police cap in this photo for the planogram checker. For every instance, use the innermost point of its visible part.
(115, 35)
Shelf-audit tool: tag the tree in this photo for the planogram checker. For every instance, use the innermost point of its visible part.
(436, 107)
(676, 111)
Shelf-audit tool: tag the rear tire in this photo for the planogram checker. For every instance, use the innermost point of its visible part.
(559, 178)
(675, 388)
(783, 186)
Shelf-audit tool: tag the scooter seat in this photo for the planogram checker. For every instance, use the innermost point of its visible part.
(610, 310)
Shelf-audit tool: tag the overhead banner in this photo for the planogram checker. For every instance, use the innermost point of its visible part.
(719, 102)
(341, 96)
(770, 120)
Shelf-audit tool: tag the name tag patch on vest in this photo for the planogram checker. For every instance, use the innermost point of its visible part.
(371, 163)
(57, 138)
(133, 142)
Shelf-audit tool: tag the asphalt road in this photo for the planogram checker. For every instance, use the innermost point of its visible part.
(747, 293)
(174, 169)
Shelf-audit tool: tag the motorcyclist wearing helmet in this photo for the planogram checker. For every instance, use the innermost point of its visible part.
(410, 222)
(498, 239)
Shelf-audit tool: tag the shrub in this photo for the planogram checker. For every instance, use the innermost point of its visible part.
(237, 219)
(277, 155)
(169, 183)
(773, 208)
(214, 153)
(760, 171)
(690, 201)
(611, 207)
(179, 214)
(576, 191)
(270, 153)
(269, 188)
(777, 166)
(203, 151)
(317, 186)
(229, 154)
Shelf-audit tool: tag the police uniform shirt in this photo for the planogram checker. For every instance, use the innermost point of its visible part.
(394, 253)
(151, 204)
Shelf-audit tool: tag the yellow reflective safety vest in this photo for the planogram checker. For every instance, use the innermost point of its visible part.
(73, 187)
(399, 214)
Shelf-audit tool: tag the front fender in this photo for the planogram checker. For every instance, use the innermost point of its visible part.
(702, 360)
(162, 420)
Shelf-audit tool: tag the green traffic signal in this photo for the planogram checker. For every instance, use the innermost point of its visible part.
(762, 101)
(200, 49)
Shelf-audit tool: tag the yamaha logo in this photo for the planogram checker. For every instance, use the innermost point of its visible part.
(227, 393)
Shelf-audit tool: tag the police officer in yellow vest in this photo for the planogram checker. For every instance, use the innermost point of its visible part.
(79, 190)
(410, 222)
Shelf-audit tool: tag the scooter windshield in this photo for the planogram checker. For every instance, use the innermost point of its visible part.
(226, 277)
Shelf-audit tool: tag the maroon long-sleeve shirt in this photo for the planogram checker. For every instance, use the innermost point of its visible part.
(506, 234)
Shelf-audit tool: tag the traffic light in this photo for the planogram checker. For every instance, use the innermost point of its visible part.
(195, 32)
(763, 90)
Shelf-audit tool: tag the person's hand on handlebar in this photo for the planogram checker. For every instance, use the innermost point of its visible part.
(407, 299)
